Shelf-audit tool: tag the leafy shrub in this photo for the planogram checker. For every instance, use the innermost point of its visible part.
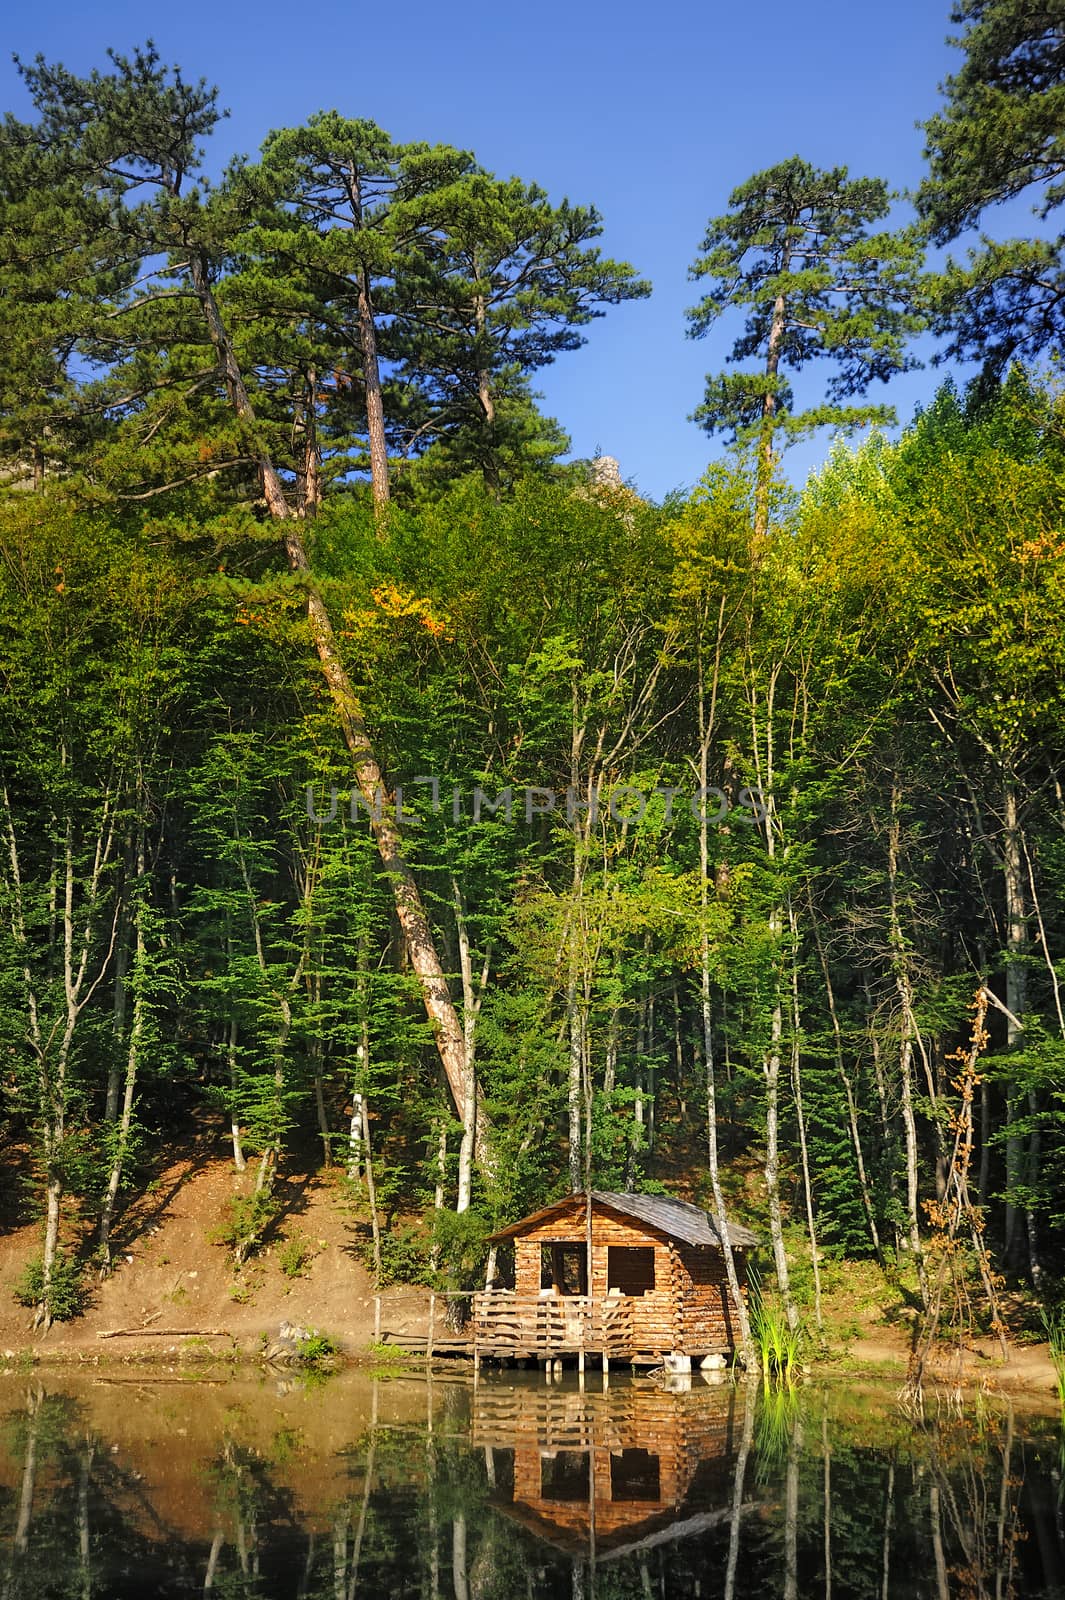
(242, 1232)
(66, 1295)
(316, 1351)
(295, 1256)
(404, 1256)
(460, 1241)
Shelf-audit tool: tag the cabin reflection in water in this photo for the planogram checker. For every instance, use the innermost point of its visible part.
(601, 1475)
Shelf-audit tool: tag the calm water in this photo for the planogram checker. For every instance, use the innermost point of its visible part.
(402, 1487)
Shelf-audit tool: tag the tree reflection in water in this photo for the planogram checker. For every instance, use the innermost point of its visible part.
(515, 1489)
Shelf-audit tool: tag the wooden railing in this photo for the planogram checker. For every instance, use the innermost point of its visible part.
(508, 1323)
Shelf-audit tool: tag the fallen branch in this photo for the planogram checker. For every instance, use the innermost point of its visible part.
(164, 1333)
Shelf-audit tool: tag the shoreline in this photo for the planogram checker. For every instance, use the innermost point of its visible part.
(1029, 1375)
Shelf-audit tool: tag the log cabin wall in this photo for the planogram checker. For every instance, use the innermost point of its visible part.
(688, 1308)
(707, 1319)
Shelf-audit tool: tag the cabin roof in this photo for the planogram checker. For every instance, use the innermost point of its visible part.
(662, 1212)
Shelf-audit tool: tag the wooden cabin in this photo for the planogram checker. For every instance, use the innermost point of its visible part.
(611, 1471)
(629, 1277)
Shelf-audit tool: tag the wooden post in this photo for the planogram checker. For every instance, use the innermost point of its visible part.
(377, 1319)
(432, 1326)
(585, 1310)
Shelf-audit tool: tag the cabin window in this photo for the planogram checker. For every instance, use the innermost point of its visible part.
(631, 1270)
(634, 1475)
(566, 1475)
(564, 1267)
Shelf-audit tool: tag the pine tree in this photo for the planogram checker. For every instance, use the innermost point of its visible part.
(794, 251)
(1000, 134)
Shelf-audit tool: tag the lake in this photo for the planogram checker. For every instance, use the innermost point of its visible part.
(132, 1484)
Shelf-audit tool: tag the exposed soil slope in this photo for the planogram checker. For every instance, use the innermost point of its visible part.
(168, 1273)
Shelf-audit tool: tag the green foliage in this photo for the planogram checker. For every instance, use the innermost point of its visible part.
(999, 135)
(242, 1231)
(316, 1351)
(1054, 1327)
(66, 1293)
(459, 1246)
(794, 251)
(777, 1345)
(295, 1255)
(405, 1256)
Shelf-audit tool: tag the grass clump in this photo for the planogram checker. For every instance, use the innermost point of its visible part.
(777, 1345)
(1054, 1327)
(295, 1256)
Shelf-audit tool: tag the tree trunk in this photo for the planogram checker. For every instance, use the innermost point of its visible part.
(459, 1571)
(887, 1133)
(574, 1098)
(908, 1025)
(771, 1055)
(114, 1076)
(53, 1082)
(375, 410)
(371, 370)
(1017, 1005)
(24, 1520)
(484, 388)
(371, 1194)
(309, 477)
(764, 471)
(473, 993)
(796, 1089)
(739, 1479)
(234, 1119)
(791, 1509)
(706, 723)
(771, 1074)
(889, 1523)
(323, 1117)
(133, 1054)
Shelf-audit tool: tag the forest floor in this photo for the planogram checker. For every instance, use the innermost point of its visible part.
(871, 1323)
(173, 1294)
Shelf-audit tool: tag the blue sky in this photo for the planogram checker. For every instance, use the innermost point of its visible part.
(653, 113)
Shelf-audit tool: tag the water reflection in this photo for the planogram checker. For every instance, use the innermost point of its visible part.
(438, 1488)
(604, 1476)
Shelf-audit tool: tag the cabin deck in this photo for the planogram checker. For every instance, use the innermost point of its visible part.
(506, 1323)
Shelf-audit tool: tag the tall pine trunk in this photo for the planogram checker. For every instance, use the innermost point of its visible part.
(410, 911)
(371, 367)
(764, 471)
